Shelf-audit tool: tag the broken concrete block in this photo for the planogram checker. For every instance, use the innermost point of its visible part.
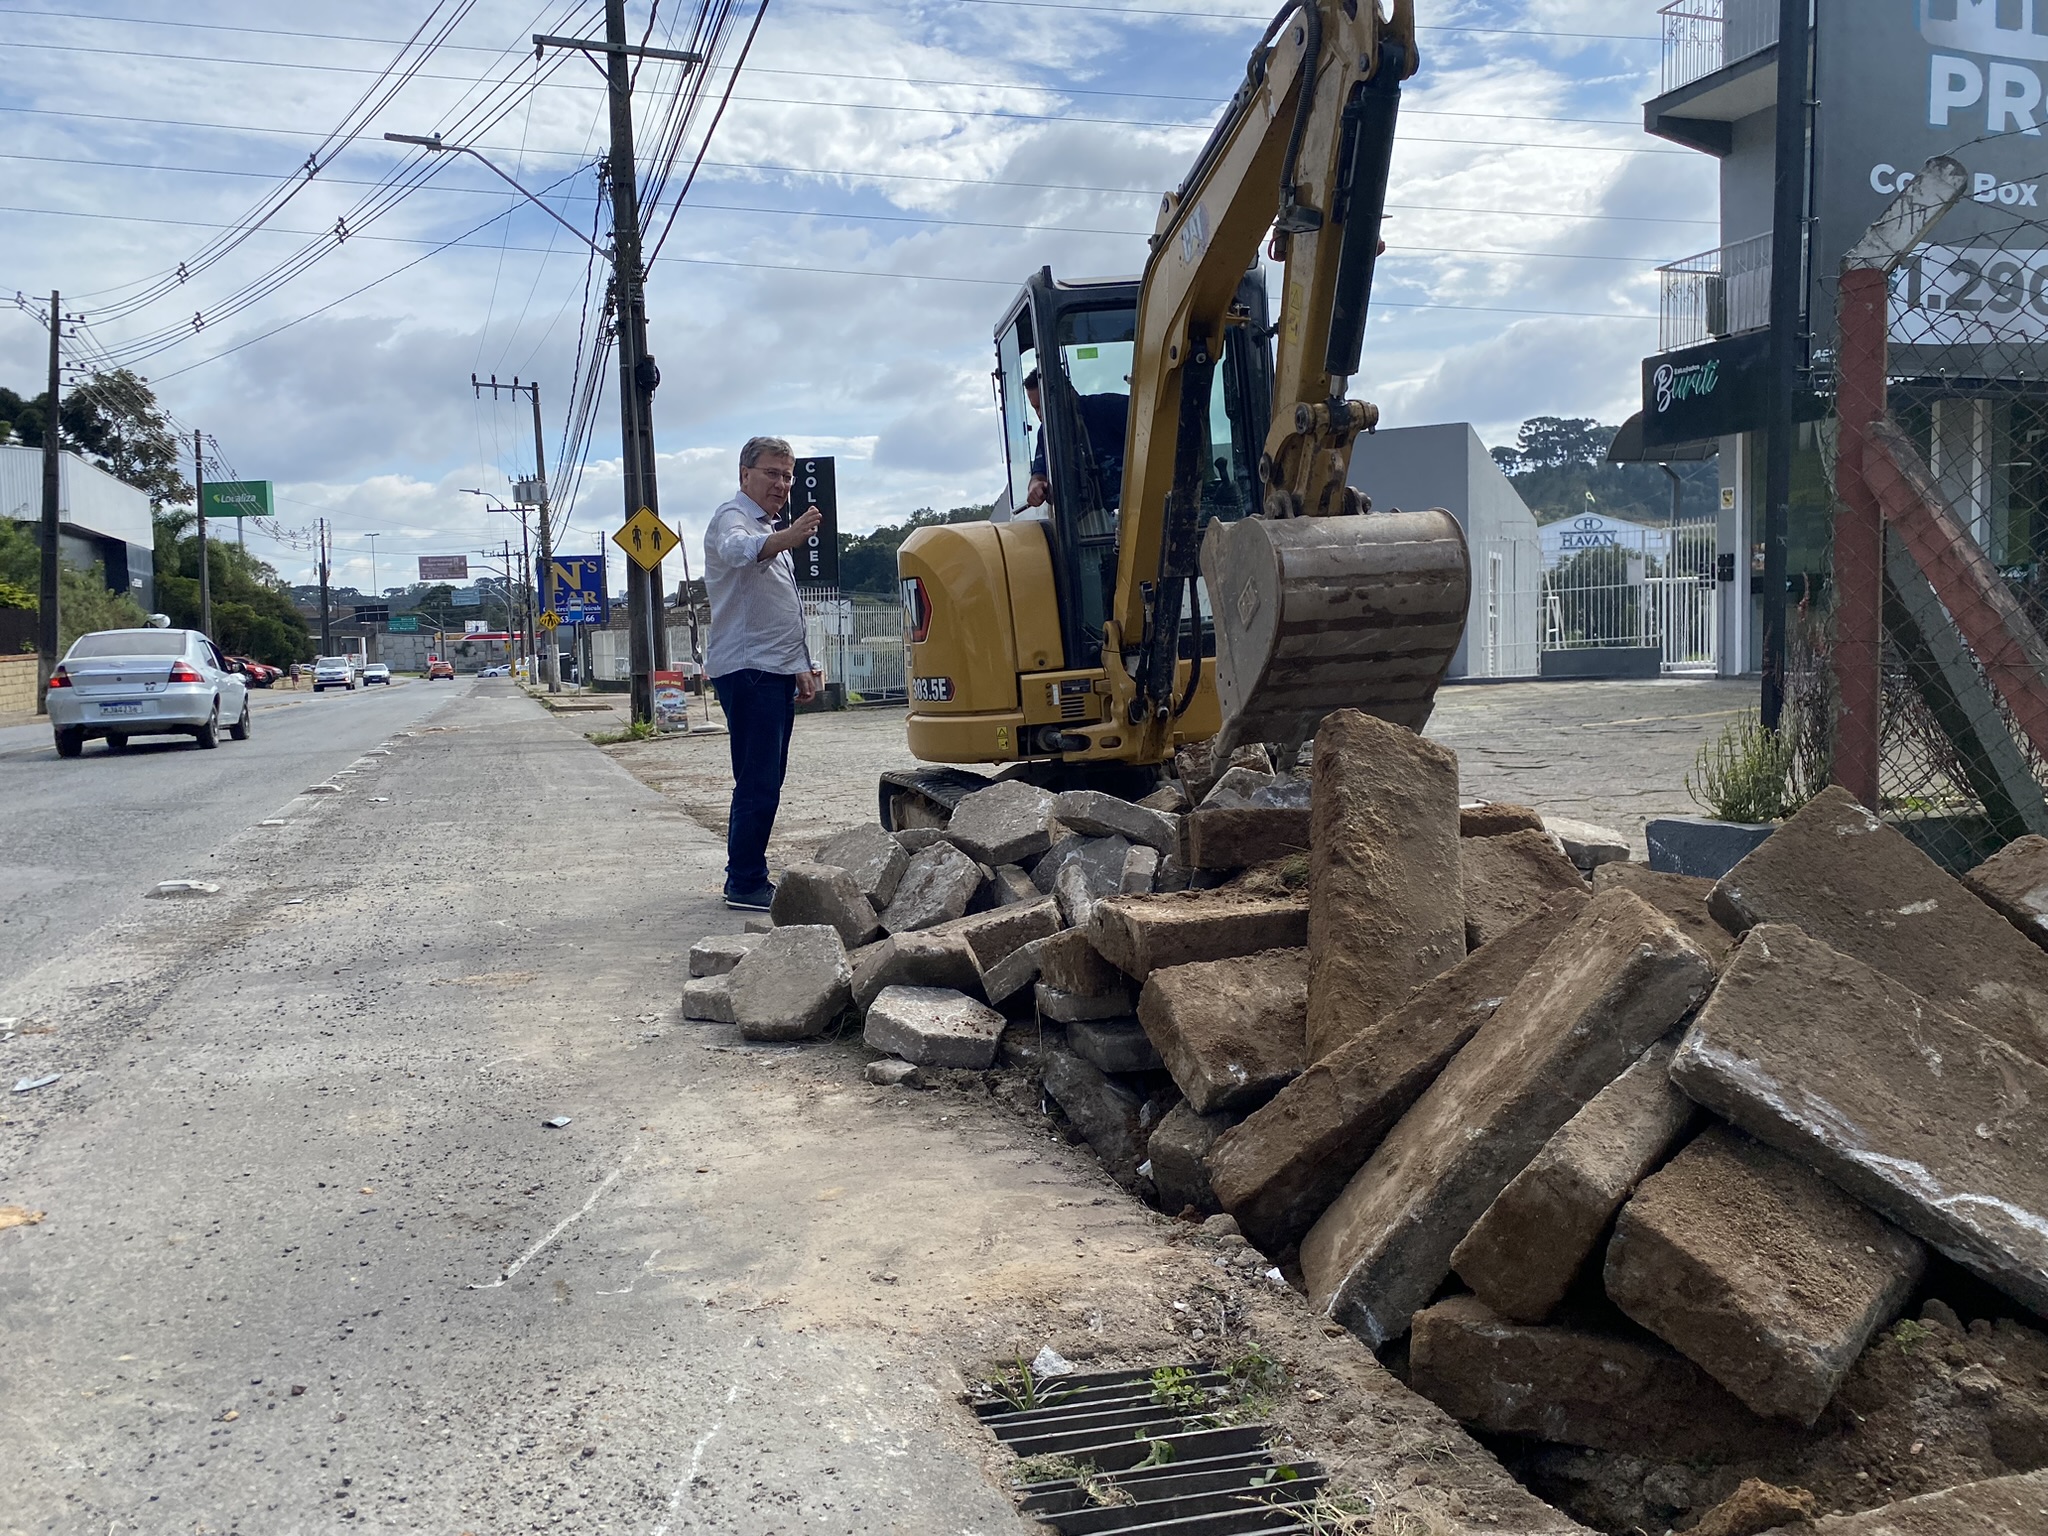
(1682, 898)
(708, 998)
(824, 893)
(1176, 1150)
(1047, 869)
(993, 937)
(1003, 824)
(717, 953)
(1075, 897)
(1586, 843)
(936, 887)
(1198, 771)
(874, 858)
(1112, 1118)
(762, 924)
(793, 985)
(1070, 963)
(1510, 878)
(1859, 886)
(1234, 790)
(891, 1073)
(1141, 867)
(1013, 884)
(1096, 814)
(914, 840)
(1280, 1169)
(934, 1027)
(1286, 792)
(2013, 882)
(913, 960)
(1169, 798)
(1997, 1506)
(1090, 869)
(1497, 820)
(1079, 1007)
(1013, 973)
(1113, 1045)
(1385, 908)
(1577, 1386)
(1232, 1032)
(1617, 979)
(1236, 839)
(1523, 1254)
(1141, 934)
(1924, 1119)
(1759, 1271)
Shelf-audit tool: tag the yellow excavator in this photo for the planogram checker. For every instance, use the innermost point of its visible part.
(1178, 557)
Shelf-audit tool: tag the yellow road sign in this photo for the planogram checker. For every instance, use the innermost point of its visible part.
(646, 539)
(550, 619)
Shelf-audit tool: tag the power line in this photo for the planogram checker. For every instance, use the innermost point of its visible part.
(1262, 17)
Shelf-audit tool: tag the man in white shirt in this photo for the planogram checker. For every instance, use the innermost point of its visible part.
(758, 657)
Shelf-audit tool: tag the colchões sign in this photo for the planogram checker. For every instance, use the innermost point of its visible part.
(817, 559)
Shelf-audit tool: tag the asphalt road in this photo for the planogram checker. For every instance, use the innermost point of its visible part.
(83, 837)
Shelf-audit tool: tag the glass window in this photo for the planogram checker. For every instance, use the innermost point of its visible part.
(1016, 357)
(130, 642)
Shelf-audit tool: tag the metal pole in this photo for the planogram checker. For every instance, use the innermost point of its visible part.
(1788, 294)
(526, 591)
(326, 615)
(47, 632)
(547, 544)
(199, 500)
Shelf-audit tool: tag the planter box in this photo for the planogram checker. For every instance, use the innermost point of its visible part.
(1702, 846)
(1603, 662)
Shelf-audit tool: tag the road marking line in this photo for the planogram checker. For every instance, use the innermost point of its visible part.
(560, 1227)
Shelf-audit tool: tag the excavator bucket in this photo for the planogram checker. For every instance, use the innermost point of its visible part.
(1315, 614)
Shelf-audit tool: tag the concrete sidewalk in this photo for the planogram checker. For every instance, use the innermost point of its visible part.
(311, 1259)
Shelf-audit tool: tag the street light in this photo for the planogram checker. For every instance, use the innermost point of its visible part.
(433, 141)
(375, 594)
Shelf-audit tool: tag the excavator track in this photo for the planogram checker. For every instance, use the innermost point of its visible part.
(930, 793)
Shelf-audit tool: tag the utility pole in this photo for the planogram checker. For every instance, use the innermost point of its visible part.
(326, 624)
(638, 376)
(46, 627)
(376, 596)
(1788, 304)
(538, 497)
(199, 501)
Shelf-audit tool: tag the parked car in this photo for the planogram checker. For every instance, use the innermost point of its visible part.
(335, 672)
(115, 684)
(376, 672)
(258, 673)
(495, 672)
(437, 668)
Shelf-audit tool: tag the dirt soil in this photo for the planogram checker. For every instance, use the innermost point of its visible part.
(1930, 1404)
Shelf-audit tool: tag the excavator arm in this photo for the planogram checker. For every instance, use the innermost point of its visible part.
(1356, 610)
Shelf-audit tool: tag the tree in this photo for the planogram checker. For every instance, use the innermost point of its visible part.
(253, 613)
(113, 420)
(1561, 470)
(867, 561)
(83, 602)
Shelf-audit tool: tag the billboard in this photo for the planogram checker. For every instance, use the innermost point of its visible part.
(817, 559)
(444, 567)
(573, 586)
(237, 498)
(1899, 82)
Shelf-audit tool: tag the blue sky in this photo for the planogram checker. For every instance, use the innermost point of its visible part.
(885, 177)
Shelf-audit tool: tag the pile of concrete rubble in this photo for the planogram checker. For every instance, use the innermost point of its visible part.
(1601, 1157)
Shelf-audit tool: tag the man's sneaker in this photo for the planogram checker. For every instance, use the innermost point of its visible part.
(751, 901)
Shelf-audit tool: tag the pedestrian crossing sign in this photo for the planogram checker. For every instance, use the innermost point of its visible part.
(646, 539)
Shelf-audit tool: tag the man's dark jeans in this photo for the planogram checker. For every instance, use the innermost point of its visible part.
(760, 711)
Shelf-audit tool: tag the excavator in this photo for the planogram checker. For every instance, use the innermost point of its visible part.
(1178, 557)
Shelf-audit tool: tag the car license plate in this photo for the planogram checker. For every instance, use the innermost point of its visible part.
(121, 709)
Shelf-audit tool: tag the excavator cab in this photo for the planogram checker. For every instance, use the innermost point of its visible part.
(1064, 357)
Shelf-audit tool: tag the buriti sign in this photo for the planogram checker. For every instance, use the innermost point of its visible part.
(1708, 391)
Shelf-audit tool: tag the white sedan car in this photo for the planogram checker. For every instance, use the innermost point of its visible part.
(118, 683)
(376, 672)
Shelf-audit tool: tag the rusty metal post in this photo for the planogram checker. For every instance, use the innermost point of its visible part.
(1858, 576)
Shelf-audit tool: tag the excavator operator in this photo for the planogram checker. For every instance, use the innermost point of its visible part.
(1103, 419)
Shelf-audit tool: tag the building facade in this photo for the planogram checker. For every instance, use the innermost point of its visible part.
(100, 520)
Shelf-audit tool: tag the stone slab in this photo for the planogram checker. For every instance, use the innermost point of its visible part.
(1232, 1032)
(1141, 869)
(992, 937)
(924, 959)
(1235, 839)
(824, 893)
(708, 998)
(1003, 824)
(1577, 1386)
(914, 840)
(1497, 819)
(1856, 884)
(1093, 869)
(1234, 790)
(875, 859)
(2013, 882)
(1682, 898)
(1069, 962)
(1386, 912)
(1013, 973)
(934, 1027)
(1141, 934)
(937, 886)
(1177, 1150)
(1701, 846)
(1280, 1169)
(1097, 814)
(1114, 1119)
(1758, 1270)
(1998, 1506)
(1616, 980)
(1587, 844)
(1521, 1257)
(1509, 878)
(1113, 1045)
(717, 953)
(1082, 1007)
(793, 986)
(1013, 885)
(1905, 1106)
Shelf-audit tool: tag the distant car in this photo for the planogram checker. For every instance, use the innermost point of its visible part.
(259, 674)
(117, 683)
(334, 672)
(437, 669)
(376, 672)
(495, 672)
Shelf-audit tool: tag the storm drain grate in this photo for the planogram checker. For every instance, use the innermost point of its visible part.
(1148, 1451)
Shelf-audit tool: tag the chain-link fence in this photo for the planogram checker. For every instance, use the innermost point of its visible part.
(1925, 666)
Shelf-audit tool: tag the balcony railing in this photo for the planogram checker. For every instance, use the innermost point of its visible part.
(1701, 36)
(1716, 293)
